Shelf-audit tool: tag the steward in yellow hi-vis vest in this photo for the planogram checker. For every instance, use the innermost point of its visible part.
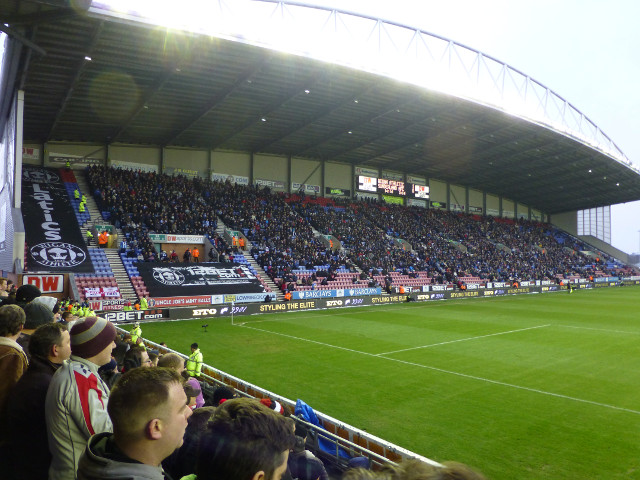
(136, 332)
(194, 364)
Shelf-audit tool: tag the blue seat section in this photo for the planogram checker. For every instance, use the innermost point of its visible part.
(129, 266)
(318, 268)
(242, 260)
(100, 264)
(82, 217)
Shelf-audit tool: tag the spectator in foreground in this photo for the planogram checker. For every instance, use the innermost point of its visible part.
(109, 373)
(136, 357)
(175, 362)
(149, 413)
(245, 440)
(412, 469)
(303, 464)
(221, 395)
(24, 416)
(13, 360)
(77, 399)
(37, 314)
(181, 462)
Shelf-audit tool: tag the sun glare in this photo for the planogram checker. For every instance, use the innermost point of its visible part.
(362, 43)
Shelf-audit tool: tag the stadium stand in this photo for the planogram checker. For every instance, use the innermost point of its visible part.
(392, 245)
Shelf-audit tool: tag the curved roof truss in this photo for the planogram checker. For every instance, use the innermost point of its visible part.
(376, 46)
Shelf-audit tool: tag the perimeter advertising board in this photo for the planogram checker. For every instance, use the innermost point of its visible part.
(221, 311)
(136, 315)
(46, 283)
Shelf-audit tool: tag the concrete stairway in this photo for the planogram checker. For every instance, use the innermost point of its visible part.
(220, 229)
(124, 284)
(265, 278)
(92, 207)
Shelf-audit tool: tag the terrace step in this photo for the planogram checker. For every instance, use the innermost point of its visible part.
(124, 282)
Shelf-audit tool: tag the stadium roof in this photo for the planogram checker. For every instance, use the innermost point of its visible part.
(91, 75)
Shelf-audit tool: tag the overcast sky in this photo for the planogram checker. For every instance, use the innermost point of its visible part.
(587, 51)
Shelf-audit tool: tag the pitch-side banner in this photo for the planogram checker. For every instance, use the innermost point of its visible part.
(190, 279)
(52, 232)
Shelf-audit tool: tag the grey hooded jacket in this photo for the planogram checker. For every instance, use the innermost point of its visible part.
(102, 460)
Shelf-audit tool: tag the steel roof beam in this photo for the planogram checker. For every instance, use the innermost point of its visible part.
(246, 75)
(149, 94)
(32, 19)
(419, 139)
(315, 76)
(315, 117)
(80, 69)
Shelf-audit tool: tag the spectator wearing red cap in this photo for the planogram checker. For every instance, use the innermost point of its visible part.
(76, 404)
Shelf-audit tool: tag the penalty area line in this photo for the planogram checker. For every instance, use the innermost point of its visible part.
(461, 340)
(450, 372)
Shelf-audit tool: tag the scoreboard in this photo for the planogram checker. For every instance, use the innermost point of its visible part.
(391, 187)
(419, 191)
(367, 184)
(387, 186)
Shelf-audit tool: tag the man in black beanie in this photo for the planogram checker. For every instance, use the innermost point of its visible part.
(37, 314)
(24, 295)
(76, 404)
(27, 293)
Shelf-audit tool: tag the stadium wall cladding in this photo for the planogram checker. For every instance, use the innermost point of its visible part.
(232, 309)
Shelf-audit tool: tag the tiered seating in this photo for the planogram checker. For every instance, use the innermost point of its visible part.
(100, 262)
(405, 280)
(446, 247)
(134, 275)
(242, 260)
(139, 286)
(103, 276)
(92, 282)
(471, 280)
(129, 265)
(70, 184)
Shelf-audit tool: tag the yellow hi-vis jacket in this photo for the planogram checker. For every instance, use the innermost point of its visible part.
(194, 364)
(135, 333)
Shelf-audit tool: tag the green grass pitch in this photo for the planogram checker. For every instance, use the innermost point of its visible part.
(527, 387)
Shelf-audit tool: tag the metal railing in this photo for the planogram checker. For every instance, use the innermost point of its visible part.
(343, 437)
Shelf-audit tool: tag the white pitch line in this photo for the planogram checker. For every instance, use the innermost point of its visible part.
(600, 329)
(461, 340)
(316, 312)
(450, 372)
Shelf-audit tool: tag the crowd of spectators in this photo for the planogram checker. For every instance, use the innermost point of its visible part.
(91, 404)
(448, 245)
(289, 233)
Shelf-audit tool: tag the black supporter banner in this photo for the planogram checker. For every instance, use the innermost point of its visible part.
(53, 236)
(182, 279)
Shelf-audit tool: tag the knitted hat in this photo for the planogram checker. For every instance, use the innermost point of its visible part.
(91, 335)
(26, 293)
(222, 393)
(273, 405)
(109, 367)
(37, 314)
(49, 302)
